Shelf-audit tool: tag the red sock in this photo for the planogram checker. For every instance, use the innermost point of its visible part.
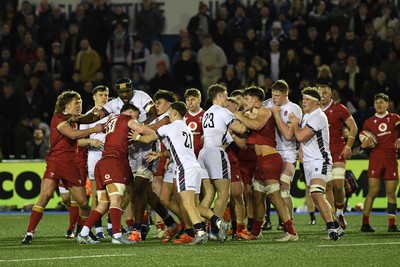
(34, 220)
(392, 221)
(256, 227)
(93, 218)
(129, 222)
(73, 216)
(115, 215)
(239, 228)
(288, 226)
(366, 219)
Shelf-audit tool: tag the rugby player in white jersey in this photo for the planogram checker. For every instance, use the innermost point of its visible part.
(286, 144)
(212, 157)
(313, 135)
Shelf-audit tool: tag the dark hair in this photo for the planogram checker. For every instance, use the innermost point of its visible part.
(100, 88)
(255, 91)
(214, 90)
(311, 91)
(237, 92)
(233, 100)
(166, 95)
(382, 96)
(281, 86)
(129, 106)
(124, 83)
(192, 92)
(180, 107)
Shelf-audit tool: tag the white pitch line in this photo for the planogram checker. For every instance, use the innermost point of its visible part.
(66, 258)
(359, 245)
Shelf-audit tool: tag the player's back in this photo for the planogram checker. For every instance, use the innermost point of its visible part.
(215, 124)
(116, 143)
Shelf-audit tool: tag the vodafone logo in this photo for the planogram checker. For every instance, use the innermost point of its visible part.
(382, 127)
(107, 177)
(193, 126)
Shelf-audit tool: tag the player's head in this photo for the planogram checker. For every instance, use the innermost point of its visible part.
(217, 94)
(311, 99)
(326, 93)
(178, 109)
(233, 105)
(193, 99)
(124, 88)
(381, 103)
(130, 109)
(239, 97)
(69, 102)
(253, 97)
(279, 92)
(163, 100)
(100, 95)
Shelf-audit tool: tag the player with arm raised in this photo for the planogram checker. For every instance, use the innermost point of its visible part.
(60, 164)
(382, 160)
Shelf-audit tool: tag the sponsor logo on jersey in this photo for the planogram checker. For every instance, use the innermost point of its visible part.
(107, 177)
(382, 127)
(192, 126)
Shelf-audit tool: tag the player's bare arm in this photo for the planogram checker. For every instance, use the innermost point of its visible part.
(302, 135)
(90, 142)
(261, 116)
(88, 118)
(151, 115)
(285, 129)
(353, 129)
(72, 133)
(160, 123)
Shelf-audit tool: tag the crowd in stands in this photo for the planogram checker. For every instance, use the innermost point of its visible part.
(351, 45)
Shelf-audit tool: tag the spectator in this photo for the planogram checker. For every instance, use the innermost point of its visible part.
(293, 41)
(297, 12)
(238, 24)
(87, 61)
(291, 68)
(222, 37)
(38, 147)
(231, 6)
(368, 56)
(40, 56)
(157, 54)
(391, 67)
(351, 43)
(200, 25)
(387, 19)
(263, 23)
(45, 79)
(100, 16)
(229, 79)
(355, 77)
(22, 135)
(140, 53)
(184, 44)
(345, 102)
(360, 19)
(21, 80)
(187, 71)
(341, 14)
(58, 63)
(51, 26)
(312, 45)
(16, 39)
(10, 104)
(278, 34)
(211, 60)
(118, 16)
(7, 57)
(363, 112)
(238, 51)
(253, 78)
(32, 27)
(251, 42)
(324, 75)
(319, 17)
(163, 80)
(344, 91)
(333, 40)
(26, 52)
(19, 18)
(311, 72)
(71, 47)
(5, 36)
(119, 53)
(32, 100)
(338, 66)
(274, 60)
(149, 22)
(84, 23)
(280, 6)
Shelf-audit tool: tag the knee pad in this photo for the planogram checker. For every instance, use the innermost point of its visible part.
(269, 189)
(329, 178)
(338, 173)
(116, 189)
(286, 178)
(316, 188)
(102, 196)
(285, 193)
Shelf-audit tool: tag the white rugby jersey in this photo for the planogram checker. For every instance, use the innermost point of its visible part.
(317, 148)
(140, 99)
(180, 139)
(216, 121)
(281, 143)
(100, 136)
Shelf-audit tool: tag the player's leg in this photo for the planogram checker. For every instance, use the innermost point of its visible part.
(391, 187)
(338, 175)
(286, 180)
(239, 207)
(374, 186)
(310, 207)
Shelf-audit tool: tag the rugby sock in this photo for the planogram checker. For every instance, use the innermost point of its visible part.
(94, 217)
(392, 207)
(189, 232)
(239, 227)
(234, 226)
(73, 215)
(99, 226)
(339, 208)
(137, 226)
(129, 222)
(256, 227)
(312, 216)
(115, 214)
(109, 224)
(365, 218)
(330, 225)
(169, 221)
(36, 216)
(288, 226)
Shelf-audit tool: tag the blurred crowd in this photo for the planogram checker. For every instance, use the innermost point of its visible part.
(351, 45)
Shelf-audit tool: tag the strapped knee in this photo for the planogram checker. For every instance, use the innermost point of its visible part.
(285, 193)
(287, 179)
(116, 189)
(338, 173)
(102, 196)
(316, 188)
(269, 189)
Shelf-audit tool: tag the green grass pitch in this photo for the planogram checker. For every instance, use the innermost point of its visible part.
(50, 248)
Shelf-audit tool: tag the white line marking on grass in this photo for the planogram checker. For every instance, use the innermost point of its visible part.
(15, 246)
(66, 258)
(359, 245)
